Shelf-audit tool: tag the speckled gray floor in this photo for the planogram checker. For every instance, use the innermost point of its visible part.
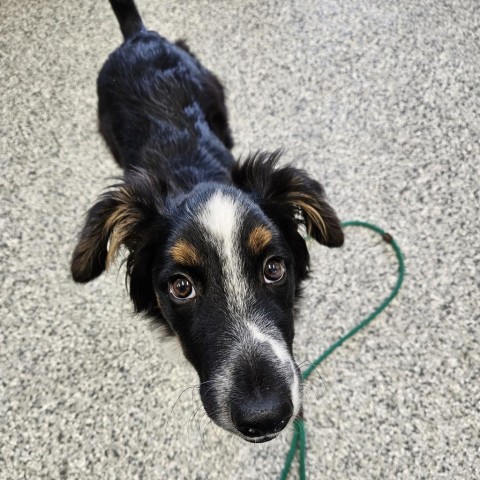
(379, 100)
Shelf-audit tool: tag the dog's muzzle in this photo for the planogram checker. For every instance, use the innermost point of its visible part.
(263, 392)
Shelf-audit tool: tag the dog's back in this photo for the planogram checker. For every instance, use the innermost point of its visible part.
(159, 107)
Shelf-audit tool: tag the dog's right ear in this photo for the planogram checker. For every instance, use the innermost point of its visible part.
(123, 216)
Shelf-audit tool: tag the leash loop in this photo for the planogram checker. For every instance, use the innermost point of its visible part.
(299, 436)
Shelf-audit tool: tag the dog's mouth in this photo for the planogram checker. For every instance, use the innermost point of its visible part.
(263, 439)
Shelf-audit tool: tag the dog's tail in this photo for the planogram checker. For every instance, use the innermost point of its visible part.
(127, 16)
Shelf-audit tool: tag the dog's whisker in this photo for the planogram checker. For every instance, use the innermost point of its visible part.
(175, 404)
(193, 420)
(310, 389)
(209, 421)
(315, 371)
(202, 432)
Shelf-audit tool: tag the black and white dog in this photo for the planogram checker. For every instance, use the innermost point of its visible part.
(214, 251)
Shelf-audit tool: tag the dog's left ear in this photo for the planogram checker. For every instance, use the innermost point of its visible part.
(290, 193)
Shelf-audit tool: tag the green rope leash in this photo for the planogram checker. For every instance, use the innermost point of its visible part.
(299, 435)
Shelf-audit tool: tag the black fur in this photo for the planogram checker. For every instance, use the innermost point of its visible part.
(164, 118)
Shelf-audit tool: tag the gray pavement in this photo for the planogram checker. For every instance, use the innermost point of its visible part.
(380, 101)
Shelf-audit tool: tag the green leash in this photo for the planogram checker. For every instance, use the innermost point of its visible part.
(299, 436)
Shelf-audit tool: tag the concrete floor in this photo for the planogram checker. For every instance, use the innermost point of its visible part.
(380, 101)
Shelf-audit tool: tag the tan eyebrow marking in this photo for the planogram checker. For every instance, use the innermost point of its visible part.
(258, 239)
(185, 253)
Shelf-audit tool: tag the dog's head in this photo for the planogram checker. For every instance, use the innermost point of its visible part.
(221, 267)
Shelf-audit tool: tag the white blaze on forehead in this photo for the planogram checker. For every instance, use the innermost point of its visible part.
(222, 218)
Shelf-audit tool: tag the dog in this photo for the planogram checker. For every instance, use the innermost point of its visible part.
(215, 248)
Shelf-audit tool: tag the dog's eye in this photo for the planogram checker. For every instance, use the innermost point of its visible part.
(274, 270)
(181, 288)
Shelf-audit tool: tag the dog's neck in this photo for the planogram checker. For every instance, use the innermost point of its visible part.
(185, 164)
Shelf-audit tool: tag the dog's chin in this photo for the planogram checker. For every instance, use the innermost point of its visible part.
(266, 438)
(231, 429)
(263, 439)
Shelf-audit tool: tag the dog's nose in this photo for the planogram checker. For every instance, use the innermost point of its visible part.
(261, 416)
